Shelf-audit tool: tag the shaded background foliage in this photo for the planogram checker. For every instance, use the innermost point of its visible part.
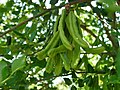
(19, 67)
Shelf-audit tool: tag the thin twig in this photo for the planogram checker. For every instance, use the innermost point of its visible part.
(96, 72)
(109, 35)
(89, 31)
(77, 72)
(40, 14)
(118, 2)
(24, 22)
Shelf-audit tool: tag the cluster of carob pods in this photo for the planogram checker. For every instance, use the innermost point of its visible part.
(63, 50)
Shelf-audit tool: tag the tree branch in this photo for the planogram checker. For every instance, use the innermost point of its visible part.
(89, 31)
(40, 14)
(118, 2)
(78, 72)
(109, 35)
(24, 22)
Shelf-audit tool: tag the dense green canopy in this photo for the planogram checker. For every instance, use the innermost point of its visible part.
(60, 45)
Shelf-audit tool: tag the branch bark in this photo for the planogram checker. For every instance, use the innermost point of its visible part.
(89, 31)
(78, 72)
(109, 35)
(40, 14)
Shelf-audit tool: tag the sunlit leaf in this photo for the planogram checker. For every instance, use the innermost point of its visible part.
(117, 64)
(3, 70)
(22, 19)
(18, 64)
(9, 4)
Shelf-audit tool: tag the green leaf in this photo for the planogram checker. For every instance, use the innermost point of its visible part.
(33, 27)
(89, 81)
(80, 83)
(108, 1)
(19, 34)
(21, 88)
(111, 5)
(74, 75)
(105, 86)
(95, 85)
(41, 39)
(9, 40)
(104, 12)
(40, 0)
(3, 70)
(117, 64)
(18, 77)
(48, 75)
(37, 62)
(9, 4)
(33, 34)
(73, 88)
(24, 1)
(96, 10)
(90, 68)
(16, 12)
(18, 64)
(113, 79)
(56, 12)
(112, 71)
(96, 42)
(53, 2)
(8, 57)
(2, 10)
(83, 4)
(22, 19)
(68, 81)
(4, 50)
(70, 0)
(47, 17)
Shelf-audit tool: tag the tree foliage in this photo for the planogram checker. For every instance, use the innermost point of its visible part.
(27, 29)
